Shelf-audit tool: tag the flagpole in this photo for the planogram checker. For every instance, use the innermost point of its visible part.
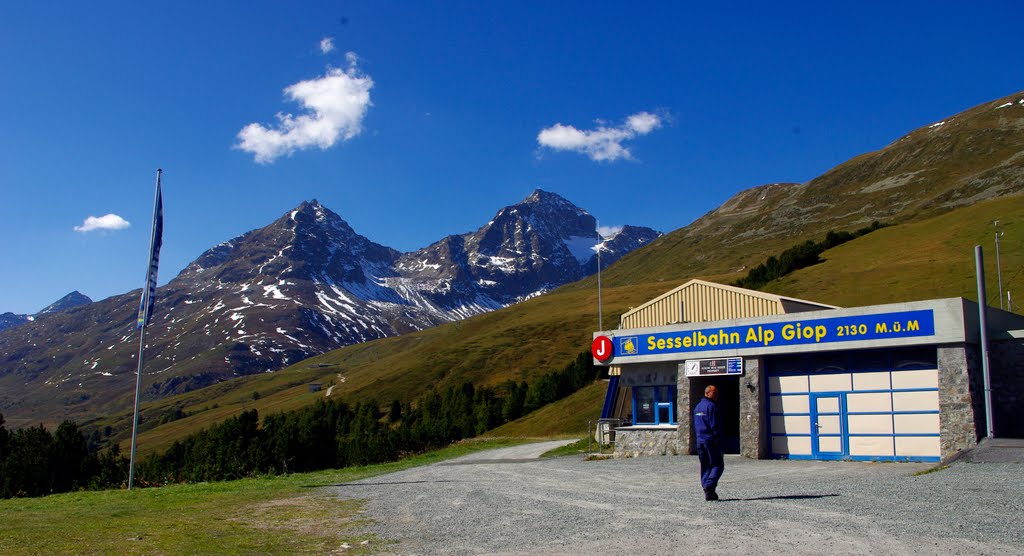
(600, 247)
(143, 318)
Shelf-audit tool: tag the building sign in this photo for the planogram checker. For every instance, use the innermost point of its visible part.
(881, 326)
(601, 349)
(715, 367)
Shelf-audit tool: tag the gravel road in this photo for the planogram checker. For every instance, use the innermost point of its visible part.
(504, 503)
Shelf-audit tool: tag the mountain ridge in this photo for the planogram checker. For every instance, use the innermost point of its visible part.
(69, 301)
(302, 285)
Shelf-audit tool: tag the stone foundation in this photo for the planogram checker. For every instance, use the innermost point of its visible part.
(632, 442)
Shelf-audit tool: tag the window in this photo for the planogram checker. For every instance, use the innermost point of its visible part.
(654, 405)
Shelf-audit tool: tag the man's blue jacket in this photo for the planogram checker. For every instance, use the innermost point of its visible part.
(705, 421)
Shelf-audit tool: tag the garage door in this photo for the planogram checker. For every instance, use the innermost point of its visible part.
(856, 405)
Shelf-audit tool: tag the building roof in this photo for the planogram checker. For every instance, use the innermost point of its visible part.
(729, 302)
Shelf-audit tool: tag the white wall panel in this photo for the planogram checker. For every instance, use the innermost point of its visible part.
(789, 404)
(839, 382)
(791, 445)
(872, 381)
(787, 384)
(918, 446)
(915, 379)
(870, 424)
(860, 403)
(917, 424)
(872, 446)
(915, 401)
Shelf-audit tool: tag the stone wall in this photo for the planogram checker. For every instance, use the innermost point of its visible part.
(631, 443)
(961, 401)
(685, 401)
(753, 410)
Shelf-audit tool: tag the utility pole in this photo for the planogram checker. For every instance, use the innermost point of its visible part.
(999, 270)
(979, 269)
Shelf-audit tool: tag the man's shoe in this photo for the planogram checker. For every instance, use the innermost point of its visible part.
(714, 495)
(709, 494)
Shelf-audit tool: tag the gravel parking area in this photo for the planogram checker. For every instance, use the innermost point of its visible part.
(511, 505)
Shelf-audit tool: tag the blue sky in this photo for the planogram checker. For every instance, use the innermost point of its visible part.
(416, 120)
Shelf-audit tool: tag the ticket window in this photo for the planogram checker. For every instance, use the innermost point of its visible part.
(654, 405)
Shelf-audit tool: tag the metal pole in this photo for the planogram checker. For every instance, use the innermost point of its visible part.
(135, 413)
(142, 341)
(979, 262)
(999, 267)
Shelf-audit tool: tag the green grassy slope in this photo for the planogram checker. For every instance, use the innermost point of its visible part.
(570, 416)
(921, 260)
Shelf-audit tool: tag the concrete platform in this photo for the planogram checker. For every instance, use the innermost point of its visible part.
(993, 450)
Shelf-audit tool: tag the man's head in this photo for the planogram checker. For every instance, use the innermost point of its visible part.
(711, 393)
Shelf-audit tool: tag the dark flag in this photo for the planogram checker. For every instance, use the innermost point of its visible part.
(149, 290)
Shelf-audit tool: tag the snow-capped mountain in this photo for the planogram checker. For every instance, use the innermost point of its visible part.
(305, 284)
(525, 250)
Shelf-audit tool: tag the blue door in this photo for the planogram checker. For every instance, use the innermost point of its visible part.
(828, 419)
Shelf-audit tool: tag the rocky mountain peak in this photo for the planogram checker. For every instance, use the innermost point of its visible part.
(541, 197)
(73, 299)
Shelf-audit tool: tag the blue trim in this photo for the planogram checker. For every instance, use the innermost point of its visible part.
(842, 434)
(920, 412)
(670, 403)
(897, 390)
(906, 459)
(897, 434)
(609, 397)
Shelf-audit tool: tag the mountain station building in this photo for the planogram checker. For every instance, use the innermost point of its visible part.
(804, 380)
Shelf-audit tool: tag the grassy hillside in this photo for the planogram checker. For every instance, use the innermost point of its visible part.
(570, 416)
(918, 260)
(921, 260)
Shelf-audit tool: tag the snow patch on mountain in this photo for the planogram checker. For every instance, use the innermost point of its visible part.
(581, 247)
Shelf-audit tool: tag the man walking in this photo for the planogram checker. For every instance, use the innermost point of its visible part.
(709, 447)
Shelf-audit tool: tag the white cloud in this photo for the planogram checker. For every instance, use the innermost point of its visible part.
(335, 105)
(643, 122)
(603, 143)
(608, 231)
(327, 45)
(105, 222)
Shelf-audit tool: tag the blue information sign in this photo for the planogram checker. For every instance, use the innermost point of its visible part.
(882, 326)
